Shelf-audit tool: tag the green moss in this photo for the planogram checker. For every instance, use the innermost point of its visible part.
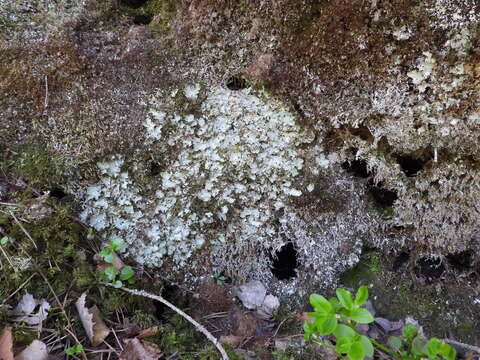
(366, 271)
(162, 12)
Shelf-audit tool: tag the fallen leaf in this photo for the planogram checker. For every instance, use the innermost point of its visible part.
(270, 304)
(251, 294)
(92, 322)
(24, 310)
(139, 350)
(37, 350)
(6, 344)
(148, 332)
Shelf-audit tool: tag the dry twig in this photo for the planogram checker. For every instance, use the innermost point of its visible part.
(198, 326)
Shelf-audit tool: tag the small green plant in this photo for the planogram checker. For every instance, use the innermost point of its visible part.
(340, 315)
(4, 240)
(74, 350)
(219, 279)
(110, 273)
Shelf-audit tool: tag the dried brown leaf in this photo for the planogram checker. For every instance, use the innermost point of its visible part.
(6, 344)
(140, 350)
(37, 350)
(148, 332)
(92, 322)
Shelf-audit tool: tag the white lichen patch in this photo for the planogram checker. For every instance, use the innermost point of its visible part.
(230, 168)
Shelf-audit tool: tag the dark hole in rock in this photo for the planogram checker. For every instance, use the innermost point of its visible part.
(237, 83)
(57, 192)
(142, 19)
(383, 197)
(155, 168)
(400, 260)
(285, 262)
(135, 4)
(357, 168)
(430, 268)
(461, 261)
(409, 165)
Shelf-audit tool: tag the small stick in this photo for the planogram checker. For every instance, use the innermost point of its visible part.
(23, 229)
(199, 327)
(19, 288)
(465, 346)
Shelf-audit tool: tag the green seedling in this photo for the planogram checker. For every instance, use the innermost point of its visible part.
(339, 316)
(4, 240)
(111, 274)
(74, 350)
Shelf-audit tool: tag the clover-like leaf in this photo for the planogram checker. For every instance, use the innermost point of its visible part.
(447, 351)
(320, 304)
(110, 272)
(127, 273)
(116, 244)
(409, 332)
(361, 316)
(326, 326)
(4, 240)
(367, 345)
(343, 345)
(395, 342)
(117, 284)
(345, 298)
(344, 331)
(357, 351)
(433, 347)
(361, 296)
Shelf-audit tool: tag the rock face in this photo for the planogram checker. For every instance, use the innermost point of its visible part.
(220, 132)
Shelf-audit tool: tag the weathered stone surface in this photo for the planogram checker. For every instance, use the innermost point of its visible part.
(366, 133)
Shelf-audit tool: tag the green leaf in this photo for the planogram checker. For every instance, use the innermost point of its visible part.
(4, 240)
(127, 273)
(409, 332)
(345, 298)
(116, 244)
(343, 345)
(448, 352)
(344, 331)
(110, 258)
(361, 316)
(357, 351)
(110, 273)
(70, 351)
(433, 347)
(395, 342)
(417, 346)
(327, 326)
(335, 303)
(320, 304)
(90, 230)
(117, 284)
(361, 296)
(309, 328)
(367, 345)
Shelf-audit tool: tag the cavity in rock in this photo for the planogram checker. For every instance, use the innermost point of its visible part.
(57, 192)
(236, 83)
(285, 262)
(430, 268)
(135, 4)
(409, 165)
(357, 168)
(383, 197)
(142, 19)
(461, 261)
